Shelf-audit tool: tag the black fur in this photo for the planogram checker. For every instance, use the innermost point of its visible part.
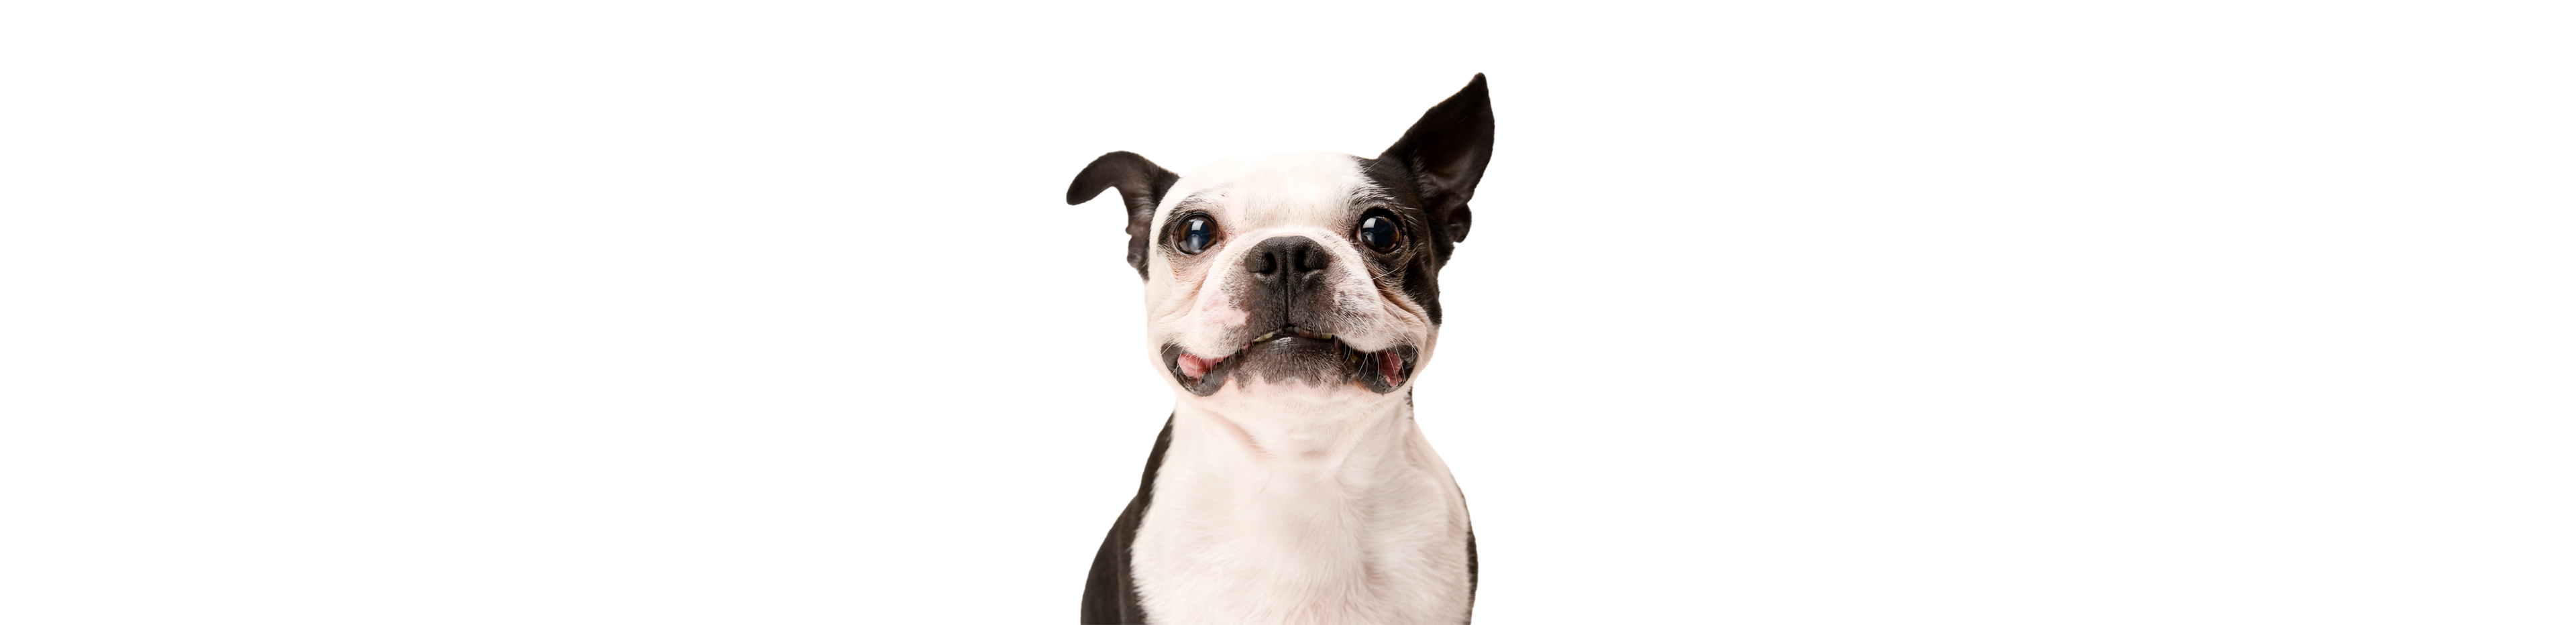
(1431, 173)
(1414, 268)
(1446, 152)
(1140, 184)
(1110, 595)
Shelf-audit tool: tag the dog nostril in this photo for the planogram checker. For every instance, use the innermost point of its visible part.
(1313, 258)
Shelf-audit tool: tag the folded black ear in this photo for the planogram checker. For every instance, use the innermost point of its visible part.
(1447, 151)
(1140, 183)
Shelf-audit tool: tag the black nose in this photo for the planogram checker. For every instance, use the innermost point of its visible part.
(1287, 273)
(1287, 260)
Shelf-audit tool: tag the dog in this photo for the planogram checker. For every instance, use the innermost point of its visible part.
(1290, 300)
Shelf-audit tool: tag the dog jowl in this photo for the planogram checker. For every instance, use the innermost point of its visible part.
(1290, 301)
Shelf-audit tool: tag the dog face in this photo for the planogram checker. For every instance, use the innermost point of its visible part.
(1308, 276)
(1289, 270)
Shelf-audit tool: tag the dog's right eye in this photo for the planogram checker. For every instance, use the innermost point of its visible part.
(1379, 231)
(1196, 233)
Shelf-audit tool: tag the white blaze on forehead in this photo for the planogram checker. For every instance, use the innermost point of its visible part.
(1305, 188)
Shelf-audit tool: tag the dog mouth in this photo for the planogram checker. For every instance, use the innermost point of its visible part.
(1293, 354)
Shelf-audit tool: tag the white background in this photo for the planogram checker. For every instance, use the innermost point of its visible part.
(772, 313)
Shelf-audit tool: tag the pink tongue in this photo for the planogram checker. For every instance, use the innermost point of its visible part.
(1193, 366)
(1391, 366)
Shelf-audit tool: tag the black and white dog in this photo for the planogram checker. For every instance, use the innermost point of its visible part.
(1291, 300)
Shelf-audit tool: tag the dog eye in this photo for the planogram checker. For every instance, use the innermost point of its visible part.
(1196, 234)
(1378, 231)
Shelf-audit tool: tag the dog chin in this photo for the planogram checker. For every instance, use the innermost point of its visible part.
(1291, 360)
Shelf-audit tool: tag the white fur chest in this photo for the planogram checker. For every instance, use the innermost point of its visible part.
(1370, 529)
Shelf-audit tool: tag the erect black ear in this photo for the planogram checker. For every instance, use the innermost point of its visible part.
(1447, 151)
(1140, 182)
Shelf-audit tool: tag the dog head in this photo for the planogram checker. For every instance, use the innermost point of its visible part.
(1312, 276)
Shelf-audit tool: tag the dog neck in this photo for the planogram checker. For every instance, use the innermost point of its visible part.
(1277, 437)
(1303, 515)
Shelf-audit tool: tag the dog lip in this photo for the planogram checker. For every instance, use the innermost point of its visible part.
(1291, 331)
(1381, 371)
(1213, 377)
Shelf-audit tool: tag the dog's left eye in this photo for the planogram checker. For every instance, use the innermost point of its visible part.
(1378, 231)
(1196, 234)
